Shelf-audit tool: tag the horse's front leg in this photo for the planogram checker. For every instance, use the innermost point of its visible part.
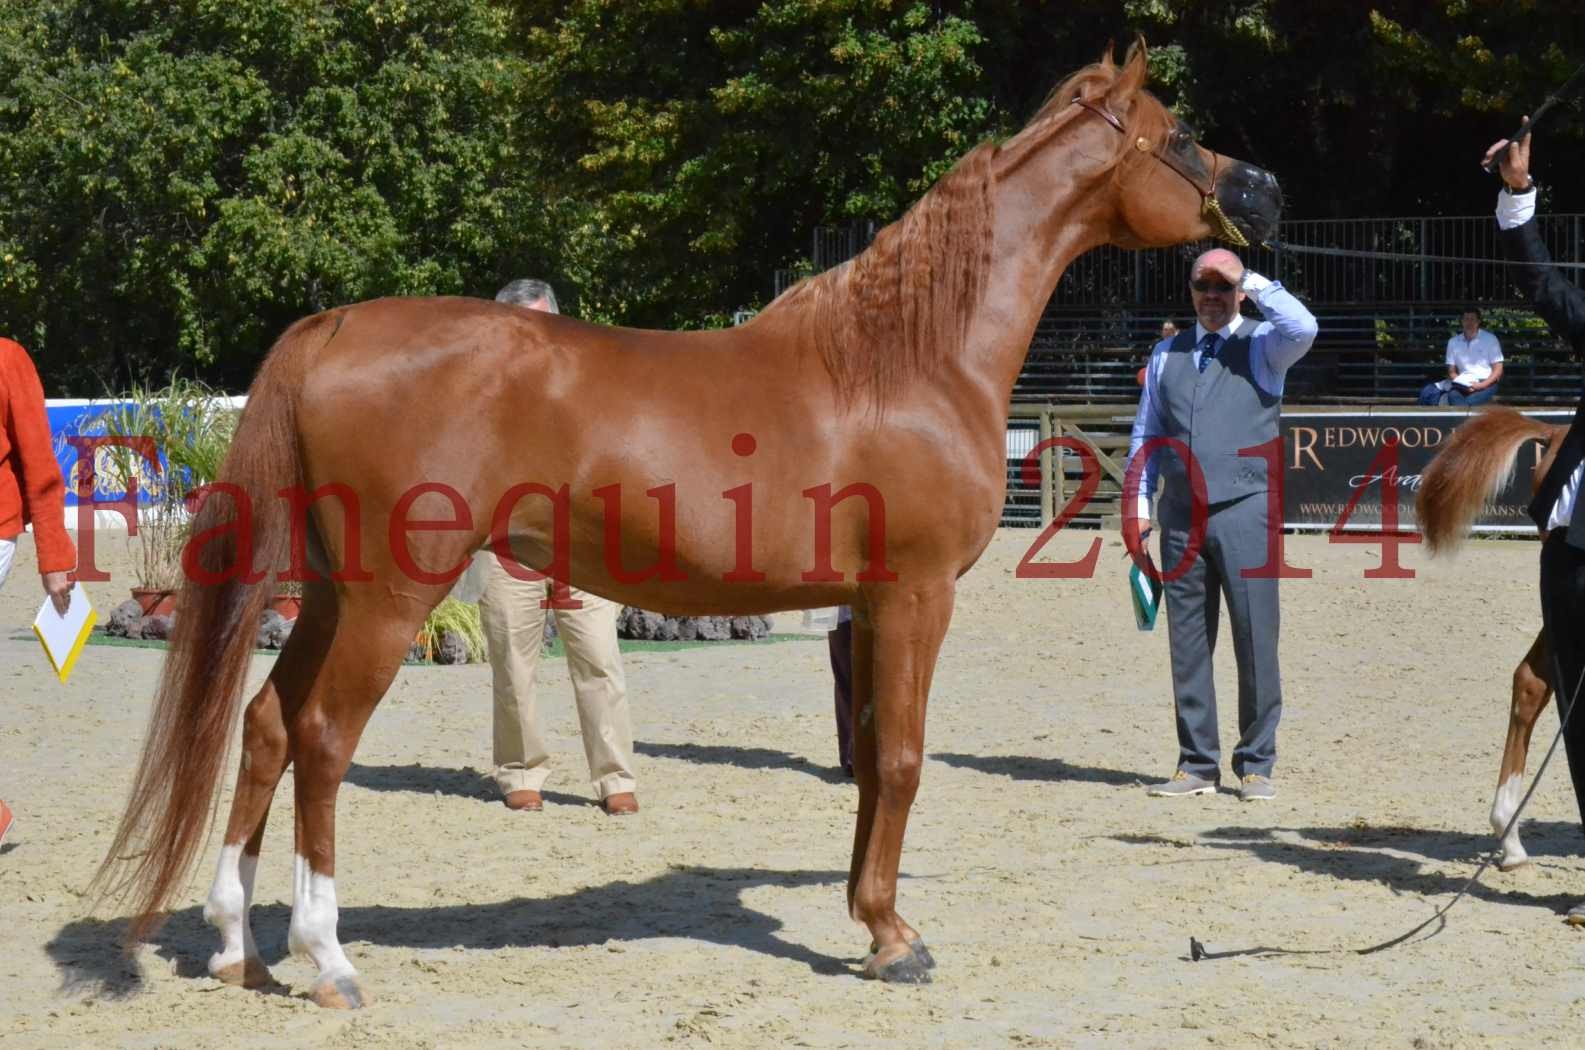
(903, 632)
(1531, 690)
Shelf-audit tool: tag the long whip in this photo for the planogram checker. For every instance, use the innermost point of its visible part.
(1575, 79)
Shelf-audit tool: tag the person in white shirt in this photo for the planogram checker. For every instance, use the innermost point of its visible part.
(1474, 366)
(1562, 305)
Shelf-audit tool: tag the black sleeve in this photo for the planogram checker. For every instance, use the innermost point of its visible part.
(1559, 302)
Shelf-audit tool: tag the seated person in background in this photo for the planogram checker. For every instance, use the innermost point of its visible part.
(1474, 366)
(1168, 330)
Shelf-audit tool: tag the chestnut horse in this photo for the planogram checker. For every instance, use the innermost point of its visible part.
(846, 446)
(1477, 463)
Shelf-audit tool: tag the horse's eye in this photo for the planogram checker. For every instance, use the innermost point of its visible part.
(1182, 139)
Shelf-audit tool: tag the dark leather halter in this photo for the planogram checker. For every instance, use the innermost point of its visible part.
(1210, 207)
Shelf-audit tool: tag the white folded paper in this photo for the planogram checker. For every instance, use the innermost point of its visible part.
(63, 637)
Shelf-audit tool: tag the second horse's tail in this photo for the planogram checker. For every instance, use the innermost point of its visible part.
(1475, 465)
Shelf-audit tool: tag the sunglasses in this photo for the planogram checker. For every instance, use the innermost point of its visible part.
(1206, 285)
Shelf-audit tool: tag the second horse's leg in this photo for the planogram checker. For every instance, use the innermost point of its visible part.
(1531, 690)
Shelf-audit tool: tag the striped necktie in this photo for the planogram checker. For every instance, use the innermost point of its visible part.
(1208, 347)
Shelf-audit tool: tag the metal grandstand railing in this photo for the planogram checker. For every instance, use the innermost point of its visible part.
(1383, 322)
(1157, 277)
(1114, 277)
(829, 246)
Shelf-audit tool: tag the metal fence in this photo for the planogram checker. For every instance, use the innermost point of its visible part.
(1112, 276)
(1157, 278)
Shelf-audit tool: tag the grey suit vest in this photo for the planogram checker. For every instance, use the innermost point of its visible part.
(1215, 413)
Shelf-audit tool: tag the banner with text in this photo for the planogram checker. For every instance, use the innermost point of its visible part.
(1332, 458)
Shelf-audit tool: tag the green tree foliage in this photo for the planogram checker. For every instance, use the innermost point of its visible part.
(700, 142)
(1370, 108)
(185, 177)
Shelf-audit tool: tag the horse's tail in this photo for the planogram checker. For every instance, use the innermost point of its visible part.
(1476, 464)
(173, 794)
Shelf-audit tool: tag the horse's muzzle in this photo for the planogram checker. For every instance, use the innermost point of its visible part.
(1251, 199)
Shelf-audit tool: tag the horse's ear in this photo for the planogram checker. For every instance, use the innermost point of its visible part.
(1107, 62)
(1136, 69)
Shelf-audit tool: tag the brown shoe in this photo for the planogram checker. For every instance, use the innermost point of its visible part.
(526, 799)
(620, 804)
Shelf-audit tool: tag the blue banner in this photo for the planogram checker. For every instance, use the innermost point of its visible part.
(70, 418)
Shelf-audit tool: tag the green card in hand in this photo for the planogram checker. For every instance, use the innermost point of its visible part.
(1144, 588)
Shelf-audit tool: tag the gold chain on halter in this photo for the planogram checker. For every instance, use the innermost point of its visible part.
(1225, 228)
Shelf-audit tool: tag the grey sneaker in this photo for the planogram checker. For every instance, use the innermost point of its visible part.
(1182, 785)
(1256, 788)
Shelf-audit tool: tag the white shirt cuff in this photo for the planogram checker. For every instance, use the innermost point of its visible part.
(1514, 209)
(1144, 507)
(1253, 283)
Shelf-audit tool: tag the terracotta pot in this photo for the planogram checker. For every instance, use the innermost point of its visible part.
(153, 601)
(288, 605)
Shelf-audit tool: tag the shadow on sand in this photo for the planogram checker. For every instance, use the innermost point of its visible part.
(743, 758)
(1023, 767)
(438, 780)
(703, 904)
(1394, 856)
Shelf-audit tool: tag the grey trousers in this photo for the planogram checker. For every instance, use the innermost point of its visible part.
(1235, 539)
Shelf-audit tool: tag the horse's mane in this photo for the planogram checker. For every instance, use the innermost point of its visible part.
(900, 309)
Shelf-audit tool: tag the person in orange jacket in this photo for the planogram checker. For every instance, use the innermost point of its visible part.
(31, 487)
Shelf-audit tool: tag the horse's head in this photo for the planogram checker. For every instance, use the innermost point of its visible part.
(1169, 189)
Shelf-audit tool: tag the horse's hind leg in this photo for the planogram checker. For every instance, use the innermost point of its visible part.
(369, 646)
(1531, 690)
(905, 633)
(264, 759)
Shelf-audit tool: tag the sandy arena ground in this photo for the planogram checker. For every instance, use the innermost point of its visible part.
(1058, 899)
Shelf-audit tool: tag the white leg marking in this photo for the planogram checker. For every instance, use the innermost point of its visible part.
(227, 908)
(313, 929)
(1509, 792)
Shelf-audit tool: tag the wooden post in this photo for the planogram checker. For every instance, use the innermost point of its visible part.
(1046, 487)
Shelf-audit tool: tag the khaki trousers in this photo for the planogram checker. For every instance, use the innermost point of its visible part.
(514, 626)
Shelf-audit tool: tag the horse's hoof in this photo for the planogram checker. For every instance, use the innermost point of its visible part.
(339, 993)
(917, 947)
(245, 973)
(1513, 865)
(906, 968)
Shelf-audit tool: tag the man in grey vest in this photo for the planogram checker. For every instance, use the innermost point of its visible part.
(1212, 398)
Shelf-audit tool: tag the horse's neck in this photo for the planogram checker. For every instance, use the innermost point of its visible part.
(1029, 254)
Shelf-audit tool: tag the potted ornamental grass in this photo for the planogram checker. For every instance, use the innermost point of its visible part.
(190, 426)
